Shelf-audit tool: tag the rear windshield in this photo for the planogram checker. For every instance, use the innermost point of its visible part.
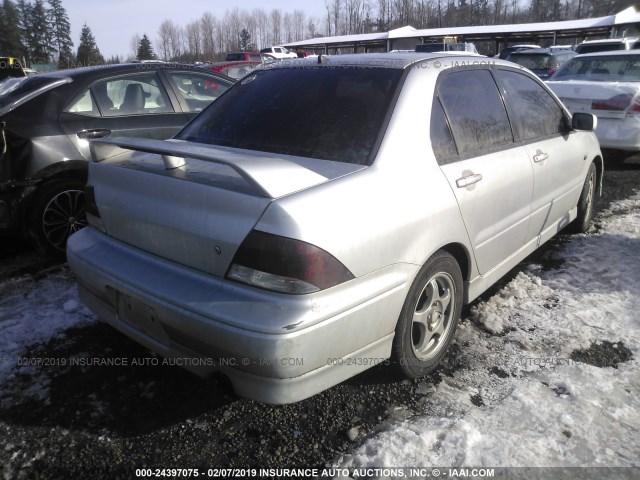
(317, 112)
(234, 57)
(600, 47)
(604, 68)
(531, 61)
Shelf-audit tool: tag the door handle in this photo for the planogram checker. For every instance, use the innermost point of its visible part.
(91, 134)
(540, 157)
(469, 180)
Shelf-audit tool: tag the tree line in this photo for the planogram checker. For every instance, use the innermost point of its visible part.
(40, 31)
(209, 37)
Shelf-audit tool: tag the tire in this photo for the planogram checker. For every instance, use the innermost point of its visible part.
(429, 316)
(57, 211)
(585, 204)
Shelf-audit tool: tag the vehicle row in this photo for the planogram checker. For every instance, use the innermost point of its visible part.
(47, 122)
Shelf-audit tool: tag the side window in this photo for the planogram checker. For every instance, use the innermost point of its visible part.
(535, 113)
(444, 147)
(475, 110)
(131, 95)
(84, 105)
(198, 91)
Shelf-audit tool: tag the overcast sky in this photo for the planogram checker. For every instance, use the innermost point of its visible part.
(114, 22)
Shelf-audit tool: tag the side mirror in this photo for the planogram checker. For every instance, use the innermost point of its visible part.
(584, 121)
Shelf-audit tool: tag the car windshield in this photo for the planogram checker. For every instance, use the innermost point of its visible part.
(532, 61)
(600, 47)
(604, 68)
(316, 112)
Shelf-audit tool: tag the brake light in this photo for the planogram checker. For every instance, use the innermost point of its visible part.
(617, 103)
(285, 265)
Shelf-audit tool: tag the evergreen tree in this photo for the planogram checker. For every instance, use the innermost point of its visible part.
(41, 39)
(88, 52)
(145, 50)
(61, 33)
(10, 40)
(245, 41)
(24, 26)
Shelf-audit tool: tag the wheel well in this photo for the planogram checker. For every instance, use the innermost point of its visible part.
(79, 174)
(459, 252)
(599, 172)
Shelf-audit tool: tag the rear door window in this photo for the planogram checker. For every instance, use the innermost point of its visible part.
(534, 113)
(475, 111)
(442, 142)
(131, 95)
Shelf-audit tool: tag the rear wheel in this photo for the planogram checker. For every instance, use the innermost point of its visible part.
(429, 316)
(58, 211)
(585, 204)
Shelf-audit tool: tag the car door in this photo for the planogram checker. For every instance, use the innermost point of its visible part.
(132, 105)
(556, 156)
(490, 175)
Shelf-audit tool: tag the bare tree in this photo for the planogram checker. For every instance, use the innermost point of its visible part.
(134, 43)
(262, 28)
(298, 20)
(276, 26)
(208, 30)
(194, 40)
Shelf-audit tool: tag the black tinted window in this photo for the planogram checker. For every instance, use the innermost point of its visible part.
(534, 112)
(317, 112)
(476, 112)
(442, 141)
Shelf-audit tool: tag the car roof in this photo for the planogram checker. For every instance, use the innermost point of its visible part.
(611, 40)
(393, 60)
(108, 70)
(609, 53)
(543, 51)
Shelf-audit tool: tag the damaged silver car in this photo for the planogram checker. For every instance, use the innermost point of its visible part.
(323, 216)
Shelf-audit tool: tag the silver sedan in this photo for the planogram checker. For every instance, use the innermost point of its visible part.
(326, 215)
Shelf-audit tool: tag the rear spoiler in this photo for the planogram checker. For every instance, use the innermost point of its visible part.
(269, 176)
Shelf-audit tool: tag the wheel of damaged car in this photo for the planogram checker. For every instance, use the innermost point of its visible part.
(429, 316)
(585, 204)
(57, 212)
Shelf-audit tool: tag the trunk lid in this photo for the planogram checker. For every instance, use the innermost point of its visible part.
(604, 99)
(190, 203)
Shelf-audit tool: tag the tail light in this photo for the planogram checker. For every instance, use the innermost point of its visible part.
(618, 103)
(285, 265)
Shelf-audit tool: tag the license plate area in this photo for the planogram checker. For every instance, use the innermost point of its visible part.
(140, 316)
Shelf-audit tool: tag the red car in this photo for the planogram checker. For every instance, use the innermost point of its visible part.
(234, 70)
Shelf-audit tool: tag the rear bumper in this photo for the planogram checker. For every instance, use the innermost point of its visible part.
(620, 134)
(274, 348)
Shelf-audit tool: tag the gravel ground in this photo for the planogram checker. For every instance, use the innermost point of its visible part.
(104, 422)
